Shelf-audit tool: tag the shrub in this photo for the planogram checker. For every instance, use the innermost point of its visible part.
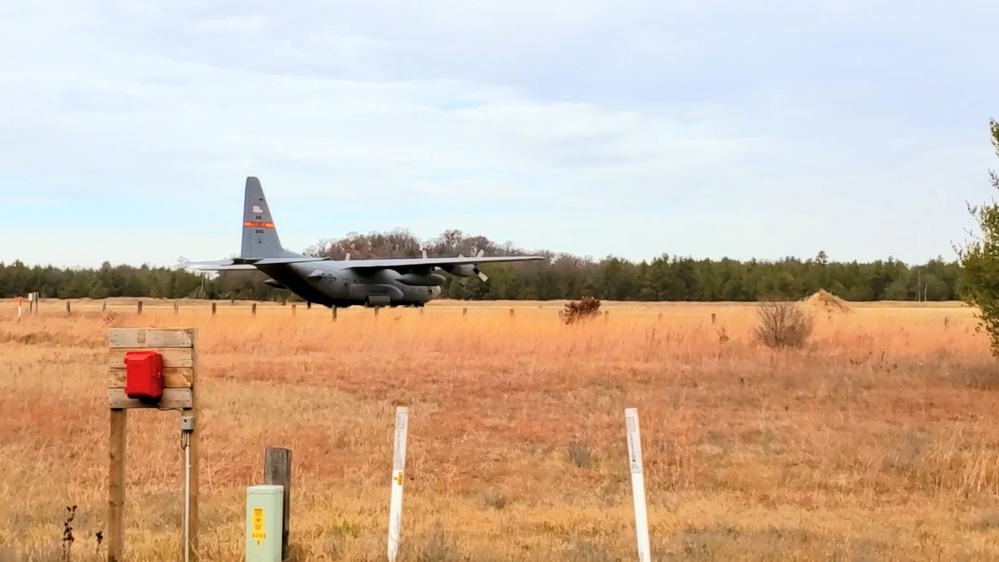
(575, 311)
(783, 324)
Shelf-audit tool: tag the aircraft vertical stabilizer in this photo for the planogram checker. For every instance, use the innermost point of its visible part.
(260, 237)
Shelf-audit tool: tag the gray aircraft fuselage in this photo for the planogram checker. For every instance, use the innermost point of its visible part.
(341, 287)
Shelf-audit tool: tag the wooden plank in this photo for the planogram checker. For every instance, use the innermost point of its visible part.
(172, 356)
(277, 470)
(174, 377)
(146, 338)
(195, 438)
(116, 487)
(173, 398)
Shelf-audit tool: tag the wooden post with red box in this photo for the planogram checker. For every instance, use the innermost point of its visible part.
(152, 368)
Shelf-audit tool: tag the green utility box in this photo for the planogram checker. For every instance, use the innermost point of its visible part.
(263, 523)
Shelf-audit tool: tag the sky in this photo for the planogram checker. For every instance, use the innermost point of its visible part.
(707, 129)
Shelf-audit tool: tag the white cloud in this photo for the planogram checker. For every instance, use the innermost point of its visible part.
(696, 128)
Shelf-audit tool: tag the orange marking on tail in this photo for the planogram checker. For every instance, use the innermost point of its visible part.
(253, 224)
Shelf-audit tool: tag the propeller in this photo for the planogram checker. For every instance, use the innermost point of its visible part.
(475, 269)
(481, 275)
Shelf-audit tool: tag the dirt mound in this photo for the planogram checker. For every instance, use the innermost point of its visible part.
(827, 301)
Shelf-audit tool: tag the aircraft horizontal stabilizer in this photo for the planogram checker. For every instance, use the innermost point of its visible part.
(217, 265)
(243, 263)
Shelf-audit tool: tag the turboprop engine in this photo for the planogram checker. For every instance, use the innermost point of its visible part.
(422, 280)
(468, 269)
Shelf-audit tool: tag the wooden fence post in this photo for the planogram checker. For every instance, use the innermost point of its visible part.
(116, 486)
(277, 471)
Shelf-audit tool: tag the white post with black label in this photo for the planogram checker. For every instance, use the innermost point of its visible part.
(398, 470)
(637, 483)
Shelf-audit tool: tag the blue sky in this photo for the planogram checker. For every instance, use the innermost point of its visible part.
(709, 128)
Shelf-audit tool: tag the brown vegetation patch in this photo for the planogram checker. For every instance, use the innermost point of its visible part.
(576, 311)
(827, 301)
(516, 443)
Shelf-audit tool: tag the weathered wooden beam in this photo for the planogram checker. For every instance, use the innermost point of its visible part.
(116, 486)
(277, 470)
(193, 444)
(173, 399)
(145, 338)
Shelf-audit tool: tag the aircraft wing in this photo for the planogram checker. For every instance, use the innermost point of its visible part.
(393, 263)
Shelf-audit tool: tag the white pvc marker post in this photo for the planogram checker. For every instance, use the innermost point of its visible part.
(398, 468)
(637, 483)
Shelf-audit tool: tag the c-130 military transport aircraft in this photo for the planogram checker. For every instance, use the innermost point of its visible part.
(340, 283)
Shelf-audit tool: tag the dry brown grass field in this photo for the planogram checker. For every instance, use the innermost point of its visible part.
(877, 441)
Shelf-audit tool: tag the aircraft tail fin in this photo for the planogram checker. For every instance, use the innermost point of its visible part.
(260, 237)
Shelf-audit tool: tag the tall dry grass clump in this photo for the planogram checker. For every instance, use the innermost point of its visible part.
(783, 324)
(878, 442)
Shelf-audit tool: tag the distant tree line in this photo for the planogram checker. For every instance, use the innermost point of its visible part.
(665, 278)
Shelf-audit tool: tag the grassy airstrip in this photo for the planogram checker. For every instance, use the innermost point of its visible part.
(878, 441)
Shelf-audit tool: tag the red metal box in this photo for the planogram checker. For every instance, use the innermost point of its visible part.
(144, 375)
